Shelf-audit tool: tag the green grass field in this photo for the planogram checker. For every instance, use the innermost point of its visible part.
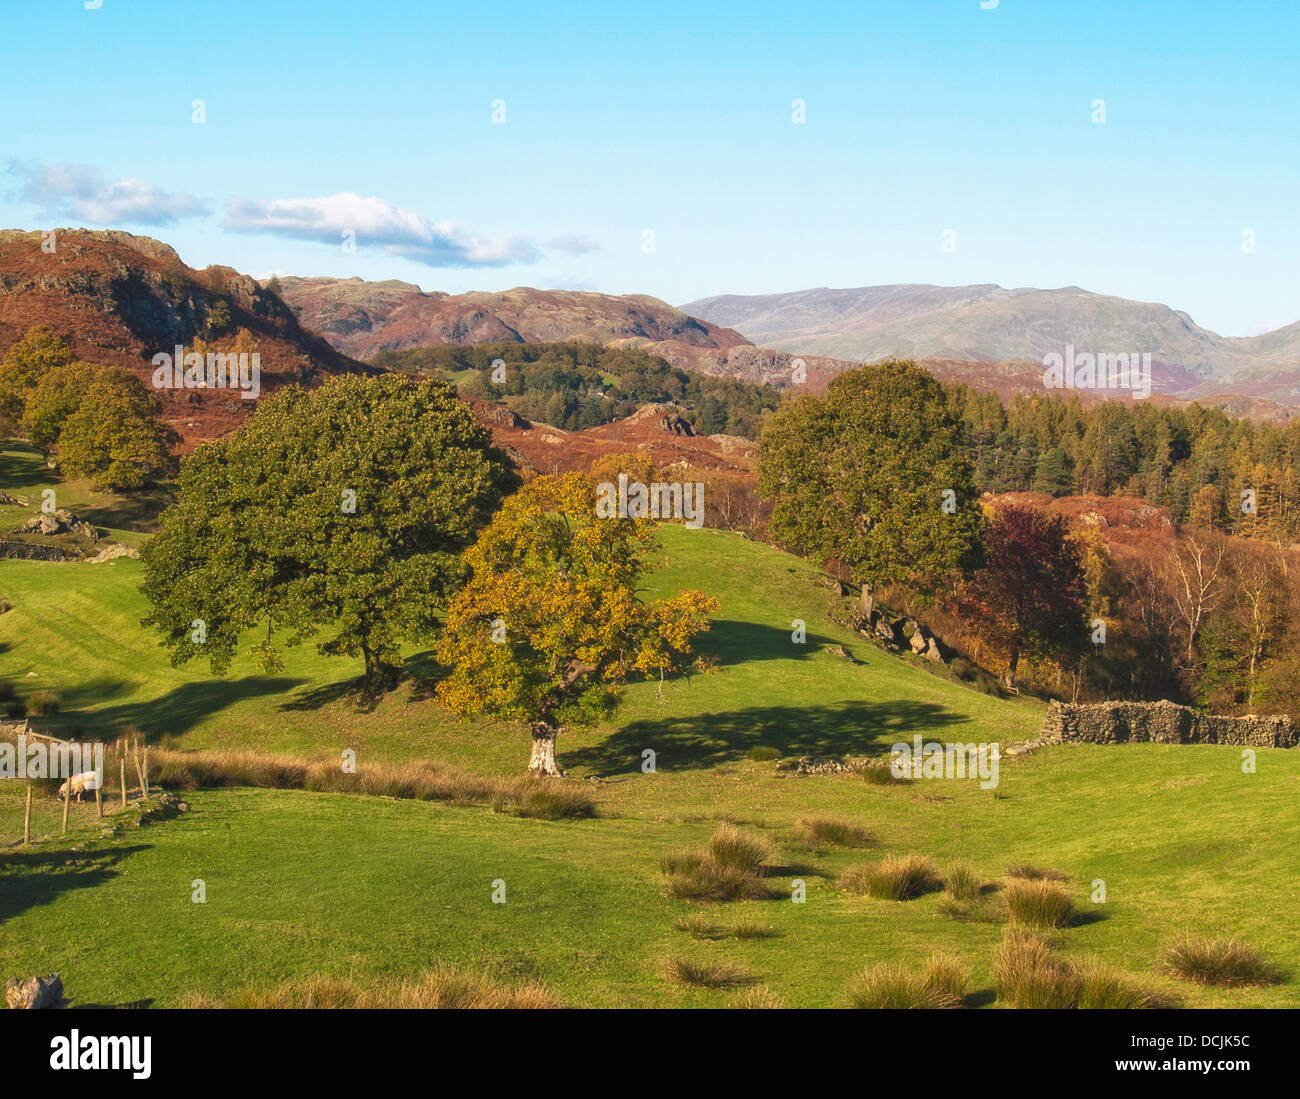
(300, 883)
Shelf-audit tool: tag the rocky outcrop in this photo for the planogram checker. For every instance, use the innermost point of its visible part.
(111, 553)
(119, 299)
(1161, 723)
(674, 424)
(58, 522)
(508, 417)
(34, 993)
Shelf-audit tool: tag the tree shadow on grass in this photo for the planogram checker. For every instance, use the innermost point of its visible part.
(419, 676)
(21, 470)
(741, 642)
(706, 740)
(180, 709)
(32, 878)
(138, 512)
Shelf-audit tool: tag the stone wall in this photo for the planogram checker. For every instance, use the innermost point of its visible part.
(1162, 723)
(29, 552)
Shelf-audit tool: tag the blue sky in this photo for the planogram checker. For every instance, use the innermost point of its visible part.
(676, 118)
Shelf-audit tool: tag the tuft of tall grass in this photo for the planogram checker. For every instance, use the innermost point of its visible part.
(729, 869)
(1030, 872)
(962, 883)
(1028, 974)
(760, 996)
(1228, 962)
(878, 775)
(1106, 988)
(441, 987)
(893, 878)
(830, 830)
(1038, 903)
(526, 796)
(43, 704)
(721, 974)
(731, 848)
(941, 983)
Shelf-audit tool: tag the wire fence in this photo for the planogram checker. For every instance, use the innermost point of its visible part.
(32, 809)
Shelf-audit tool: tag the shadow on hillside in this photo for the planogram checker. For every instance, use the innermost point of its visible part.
(181, 708)
(419, 679)
(22, 470)
(32, 878)
(741, 642)
(687, 743)
(138, 512)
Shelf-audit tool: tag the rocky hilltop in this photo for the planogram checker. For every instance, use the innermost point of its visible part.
(361, 317)
(119, 298)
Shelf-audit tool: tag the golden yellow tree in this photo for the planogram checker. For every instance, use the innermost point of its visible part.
(550, 625)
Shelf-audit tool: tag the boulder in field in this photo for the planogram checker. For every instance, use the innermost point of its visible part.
(34, 993)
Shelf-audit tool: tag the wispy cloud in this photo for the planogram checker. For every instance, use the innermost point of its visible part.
(378, 223)
(82, 192)
(574, 245)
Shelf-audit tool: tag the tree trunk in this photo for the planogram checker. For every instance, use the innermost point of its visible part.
(380, 676)
(1013, 662)
(543, 760)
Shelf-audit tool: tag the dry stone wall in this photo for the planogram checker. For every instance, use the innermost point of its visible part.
(1161, 723)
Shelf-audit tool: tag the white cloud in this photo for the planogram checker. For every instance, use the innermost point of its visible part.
(80, 191)
(375, 222)
(574, 245)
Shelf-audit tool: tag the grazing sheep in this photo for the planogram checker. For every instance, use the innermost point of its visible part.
(85, 783)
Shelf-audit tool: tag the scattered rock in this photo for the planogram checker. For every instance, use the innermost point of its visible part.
(34, 993)
(60, 522)
(111, 553)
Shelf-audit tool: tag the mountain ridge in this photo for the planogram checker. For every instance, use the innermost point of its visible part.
(985, 322)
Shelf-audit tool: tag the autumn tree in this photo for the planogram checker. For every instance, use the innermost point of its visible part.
(1028, 598)
(875, 475)
(551, 623)
(342, 509)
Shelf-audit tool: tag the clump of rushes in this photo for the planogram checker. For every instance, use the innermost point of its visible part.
(839, 833)
(1028, 974)
(760, 996)
(1030, 872)
(1108, 989)
(436, 988)
(1227, 962)
(730, 869)
(1038, 903)
(708, 974)
(893, 878)
(941, 983)
(962, 883)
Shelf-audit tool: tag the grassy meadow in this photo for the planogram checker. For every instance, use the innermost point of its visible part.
(300, 882)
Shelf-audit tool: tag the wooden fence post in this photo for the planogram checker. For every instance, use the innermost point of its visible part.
(123, 777)
(27, 817)
(67, 800)
(99, 802)
(146, 771)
